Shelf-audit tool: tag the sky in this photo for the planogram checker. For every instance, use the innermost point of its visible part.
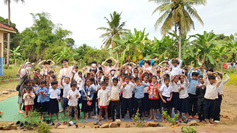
(83, 17)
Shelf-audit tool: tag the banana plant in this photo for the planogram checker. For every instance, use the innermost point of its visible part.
(15, 54)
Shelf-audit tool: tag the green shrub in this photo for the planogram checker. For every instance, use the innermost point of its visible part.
(168, 118)
(137, 119)
(188, 130)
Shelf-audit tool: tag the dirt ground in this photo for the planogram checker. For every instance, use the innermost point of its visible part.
(229, 108)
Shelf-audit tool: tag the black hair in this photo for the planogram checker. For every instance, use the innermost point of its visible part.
(195, 74)
(136, 79)
(211, 76)
(93, 62)
(167, 79)
(115, 79)
(106, 78)
(33, 80)
(210, 70)
(55, 82)
(53, 76)
(154, 76)
(148, 62)
(37, 69)
(167, 75)
(67, 77)
(64, 60)
(146, 75)
(47, 62)
(200, 76)
(103, 82)
(175, 61)
(135, 69)
(73, 83)
(158, 71)
(27, 81)
(92, 79)
(76, 67)
(51, 71)
(42, 82)
(127, 77)
(79, 72)
(29, 88)
(109, 61)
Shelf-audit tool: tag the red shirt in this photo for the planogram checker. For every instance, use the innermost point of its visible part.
(153, 91)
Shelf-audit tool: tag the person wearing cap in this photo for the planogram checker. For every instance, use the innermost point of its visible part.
(24, 74)
(176, 66)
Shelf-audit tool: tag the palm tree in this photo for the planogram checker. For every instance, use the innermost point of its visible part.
(177, 13)
(115, 30)
(131, 45)
(8, 2)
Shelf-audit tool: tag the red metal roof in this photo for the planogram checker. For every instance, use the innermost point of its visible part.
(7, 27)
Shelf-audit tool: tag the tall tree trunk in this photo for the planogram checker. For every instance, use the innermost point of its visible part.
(180, 37)
(15, 62)
(117, 57)
(8, 35)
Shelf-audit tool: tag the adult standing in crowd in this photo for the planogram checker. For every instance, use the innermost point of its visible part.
(24, 74)
(66, 71)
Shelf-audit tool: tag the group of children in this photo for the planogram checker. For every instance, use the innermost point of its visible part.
(112, 92)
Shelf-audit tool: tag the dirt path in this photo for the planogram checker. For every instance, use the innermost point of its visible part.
(229, 108)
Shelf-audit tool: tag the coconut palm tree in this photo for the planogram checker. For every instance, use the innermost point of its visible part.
(115, 30)
(178, 13)
(8, 2)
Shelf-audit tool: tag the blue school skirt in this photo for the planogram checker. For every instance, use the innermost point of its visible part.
(175, 100)
(184, 105)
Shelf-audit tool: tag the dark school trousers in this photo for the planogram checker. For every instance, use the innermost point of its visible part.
(209, 108)
(218, 108)
(115, 107)
(200, 109)
(138, 105)
(192, 104)
(126, 104)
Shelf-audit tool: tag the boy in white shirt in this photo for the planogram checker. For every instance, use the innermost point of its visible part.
(211, 95)
(114, 97)
(126, 103)
(183, 97)
(73, 96)
(66, 88)
(176, 66)
(166, 96)
(103, 100)
(220, 94)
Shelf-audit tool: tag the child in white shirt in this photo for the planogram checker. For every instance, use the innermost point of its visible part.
(211, 95)
(176, 66)
(73, 96)
(53, 103)
(28, 97)
(166, 96)
(103, 100)
(183, 97)
(127, 89)
(66, 89)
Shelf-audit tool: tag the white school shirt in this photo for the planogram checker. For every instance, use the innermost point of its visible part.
(53, 94)
(66, 89)
(29, 100)
(175, 86)
(146, 88)
(103, 95)
(74, 100)
(166, 90)
(176, 70)
(115, 90)
(220, 88)
(127, 90)
(183, 93)
(94, 87)
(211, 89)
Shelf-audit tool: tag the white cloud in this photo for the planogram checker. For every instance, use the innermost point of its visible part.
(84, 17)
